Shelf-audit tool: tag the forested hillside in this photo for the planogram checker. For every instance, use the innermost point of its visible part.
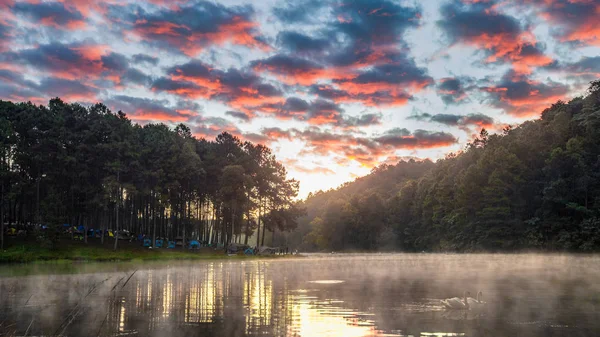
(68, 164)
(535, 186)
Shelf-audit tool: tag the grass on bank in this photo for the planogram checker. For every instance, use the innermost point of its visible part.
(25, 251)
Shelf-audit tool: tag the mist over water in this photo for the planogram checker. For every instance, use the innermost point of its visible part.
(319, 295)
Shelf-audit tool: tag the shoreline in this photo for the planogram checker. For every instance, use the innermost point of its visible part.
(27, 252)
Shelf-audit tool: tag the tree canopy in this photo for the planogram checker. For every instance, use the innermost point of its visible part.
(70, 164)
(534, 186)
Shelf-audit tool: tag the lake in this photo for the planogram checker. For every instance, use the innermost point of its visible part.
(316, 295)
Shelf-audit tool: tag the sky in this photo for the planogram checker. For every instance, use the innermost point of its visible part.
(334, 88)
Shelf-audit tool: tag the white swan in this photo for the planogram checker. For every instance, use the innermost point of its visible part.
(465, 303)
(457, 303)
(477, 303)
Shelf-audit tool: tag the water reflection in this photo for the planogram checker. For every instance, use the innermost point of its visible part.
(396, 295)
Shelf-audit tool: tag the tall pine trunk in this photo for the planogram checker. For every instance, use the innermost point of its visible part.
(116, 233)
(2, 207)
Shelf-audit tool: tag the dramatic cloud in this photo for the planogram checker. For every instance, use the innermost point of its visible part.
(5, 36)
(301, 44)
(324, 82)
(362, 50)
(479, 24)
(90, 64)
(239, 115)
(465, 123)
(145, 109)
(72, 61)
(17, 88)
(388, 84)
(191, 28)
(293, 70)
(69, 90)
(402, 139)
(14, 87)
(573, 21)
(300, 11)
(52, 14)
(585, 70)
(212, 126)
(523, 97)
(451, 90)
(243, 91)
(141, 58)
(367, 30)
(365, 150)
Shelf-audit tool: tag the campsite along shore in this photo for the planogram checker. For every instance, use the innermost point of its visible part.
(26, 250)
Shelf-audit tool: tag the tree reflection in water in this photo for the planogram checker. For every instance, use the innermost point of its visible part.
(389, 295)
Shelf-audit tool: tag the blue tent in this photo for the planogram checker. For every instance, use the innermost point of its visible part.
(171, 245)
(159, 243)
(147, 242)
(194, 244)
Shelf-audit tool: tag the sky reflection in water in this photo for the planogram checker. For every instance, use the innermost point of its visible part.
(342, 295)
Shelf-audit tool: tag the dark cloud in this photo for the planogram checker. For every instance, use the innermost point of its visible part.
(181, 88)
(83, 62)
(571, 21)
(325, 112)
(362, 120)
(295, 104)
(292, 70)
(53, 14)
(300, 11)
(452, 89)
(375, 21)
(239, 115)
(472, 22)
(143, 110)
(367, 32)
(502, 37)
(15, 87)
(298, 43)
(585, 70)
(318, 112)
(68, 90)
(465, 122)
(404, 73)
(211, 127)
(365, 150)
(141, 58)
(363, 45)
(418, 139)
(399, 132)
(521, 96)
(387, 84)
(191, 27)
(115, 61)
(135, 76)
(586, 65)
(70, 61)
(243, 91)
(5, 36)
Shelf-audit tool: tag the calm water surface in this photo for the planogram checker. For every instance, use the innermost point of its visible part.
(335, 295)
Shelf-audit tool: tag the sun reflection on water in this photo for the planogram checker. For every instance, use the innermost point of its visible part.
(295, 299)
